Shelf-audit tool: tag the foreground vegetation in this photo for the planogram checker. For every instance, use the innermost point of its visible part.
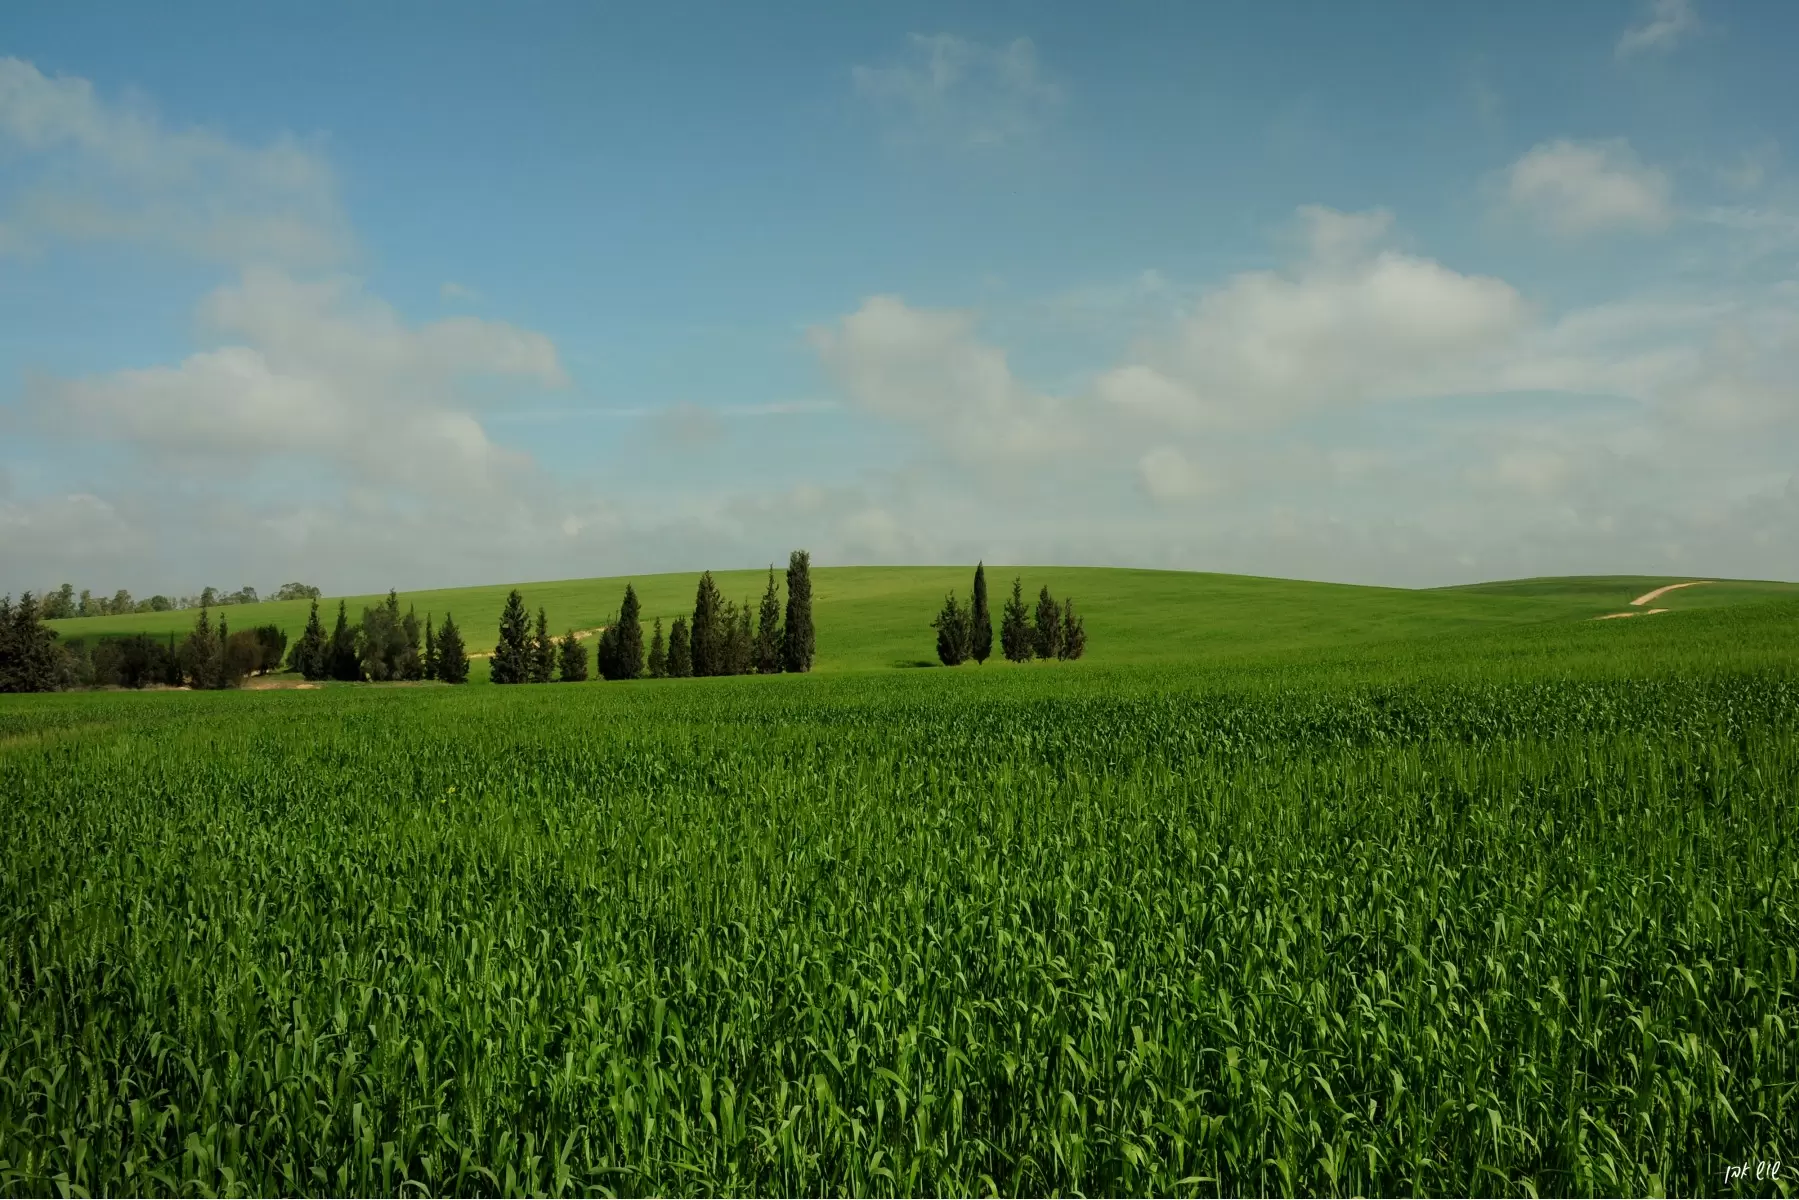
(1503, 914)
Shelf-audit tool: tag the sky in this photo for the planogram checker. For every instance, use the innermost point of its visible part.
(422, 295)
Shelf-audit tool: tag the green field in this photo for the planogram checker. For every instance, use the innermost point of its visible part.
(1287, 888)
(880, 617)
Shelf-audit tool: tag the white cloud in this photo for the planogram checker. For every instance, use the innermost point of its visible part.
(1575, 188)
(1350, 324)
(951, 90)
(1168, 474)
(98, 171)
(1665, 24)
(925, 368)
(316, 369)
(452, 291)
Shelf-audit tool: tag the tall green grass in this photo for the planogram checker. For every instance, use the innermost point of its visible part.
(1517, 917)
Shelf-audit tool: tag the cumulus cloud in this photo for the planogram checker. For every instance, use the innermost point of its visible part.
(1350, 323)
(1575, 188)
(315, 368)
(1664, 25)
(103, 171)
(925, 368)
(954, 91)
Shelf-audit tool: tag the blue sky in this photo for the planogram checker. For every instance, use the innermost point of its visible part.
(431, 294)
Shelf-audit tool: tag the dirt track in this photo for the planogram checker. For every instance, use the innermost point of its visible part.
(1646, 597)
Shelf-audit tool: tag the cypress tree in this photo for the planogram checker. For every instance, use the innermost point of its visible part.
(658, 653)
(312, 655)
(171, 664)
(740, 640)
(1015, 628)
(630, 636)
(429, 666)
(1047, 637)
(29, 658)
(573, 659)
(608, 651)
(952, 633)
(768, 628)
(452, 659)
(412, 666)
(1074, 633)
(797, 640)
(707, 634)
(980, 621)
(202, 654)
(511, 656)
(342, 658)
(680, 650)
(543, 651)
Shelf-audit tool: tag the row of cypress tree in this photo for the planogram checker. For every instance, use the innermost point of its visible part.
(524, 657)
(965, 632)
(385, 646)
(721, 638)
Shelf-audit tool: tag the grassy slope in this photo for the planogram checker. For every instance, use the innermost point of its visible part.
(879, 617)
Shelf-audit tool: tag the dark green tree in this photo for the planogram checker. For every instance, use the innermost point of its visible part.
(796, 637)
(1074, 633)
(452, 658)
(740, 640)
(1015, 627)
(952, 633)
(606, 653)
(1046, 637)
(572, 656)
(171, 663)
(312, 653)
(680, 650)
(707, 632)
(343, 660)
(271, 644)
(203, 655)
(658, 653)
(243, 654)
(58, 604)
(630, 636)
(381, 641)
(412, 665)
(30, 660)
(512, 656)
(980, 621)
(543, 651)
(768, 628)
(428, 666)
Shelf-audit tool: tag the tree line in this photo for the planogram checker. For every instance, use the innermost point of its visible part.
(64, 602)
(721, 638)
(34, 659)
(384, 647)
(966, 631)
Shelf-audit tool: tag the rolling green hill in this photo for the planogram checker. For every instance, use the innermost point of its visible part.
(879, 617)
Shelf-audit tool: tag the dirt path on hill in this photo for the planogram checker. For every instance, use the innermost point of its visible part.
(580, 635)
(1647, 597)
